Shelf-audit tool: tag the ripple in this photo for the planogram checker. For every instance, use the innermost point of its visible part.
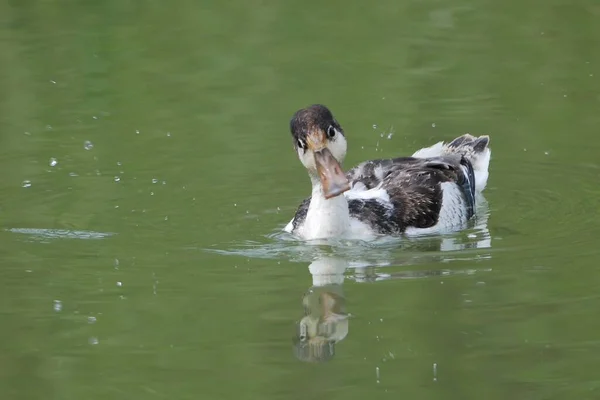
(60, 233)
(383, 251)
(546, 207)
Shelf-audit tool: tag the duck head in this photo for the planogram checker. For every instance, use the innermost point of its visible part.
(321, 146)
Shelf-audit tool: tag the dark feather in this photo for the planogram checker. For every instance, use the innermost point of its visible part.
(301, 213)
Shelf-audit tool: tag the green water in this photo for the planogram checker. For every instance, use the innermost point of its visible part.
(149, 265)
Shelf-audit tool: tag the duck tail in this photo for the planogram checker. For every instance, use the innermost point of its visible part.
(477, 151)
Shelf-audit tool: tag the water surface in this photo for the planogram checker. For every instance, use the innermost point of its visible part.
(148, 168)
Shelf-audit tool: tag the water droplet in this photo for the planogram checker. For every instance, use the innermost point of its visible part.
(434, 372)
(52, 162)
(165, 182)
(93, 340)
(49, 127)
(119, 283)
(235, 204)
(137, 132)
(54, 82)
(91, 320)
(27, 133)
(377, 373)
(95, 117)
(151, 193)
(73, 174)
(57, 305)
(169, 134)
(374, 126)
(26, 184)
(116, 263)
(119, 163)
(389, 136)
(166, 218)
(546, 152)
(433, 125)
(564, 95)
(88, 145)
(117, 178)
(154, 180)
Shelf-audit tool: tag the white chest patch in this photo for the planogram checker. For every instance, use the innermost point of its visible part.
(325, 218)
(330, 218)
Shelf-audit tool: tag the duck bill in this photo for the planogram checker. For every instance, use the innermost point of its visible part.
(333, 179)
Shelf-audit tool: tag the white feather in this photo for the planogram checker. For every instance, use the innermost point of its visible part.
(453, 213)
(325, 217)
(379, 172)
(480, 161)
(376, 193)
(431, 151)
(481, 166)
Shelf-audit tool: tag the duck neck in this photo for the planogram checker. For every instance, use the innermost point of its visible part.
(326, 218)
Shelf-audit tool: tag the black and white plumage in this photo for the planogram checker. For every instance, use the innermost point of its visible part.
(434, 191)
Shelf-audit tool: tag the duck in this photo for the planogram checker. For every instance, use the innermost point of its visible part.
(434, 191)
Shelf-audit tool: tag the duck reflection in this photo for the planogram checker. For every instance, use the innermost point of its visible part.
(325, 321)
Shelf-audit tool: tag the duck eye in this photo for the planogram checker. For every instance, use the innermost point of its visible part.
(331, 131)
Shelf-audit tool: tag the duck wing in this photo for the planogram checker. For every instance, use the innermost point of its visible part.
(392, 195)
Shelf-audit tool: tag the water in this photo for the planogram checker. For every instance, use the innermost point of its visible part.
(135, 289)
